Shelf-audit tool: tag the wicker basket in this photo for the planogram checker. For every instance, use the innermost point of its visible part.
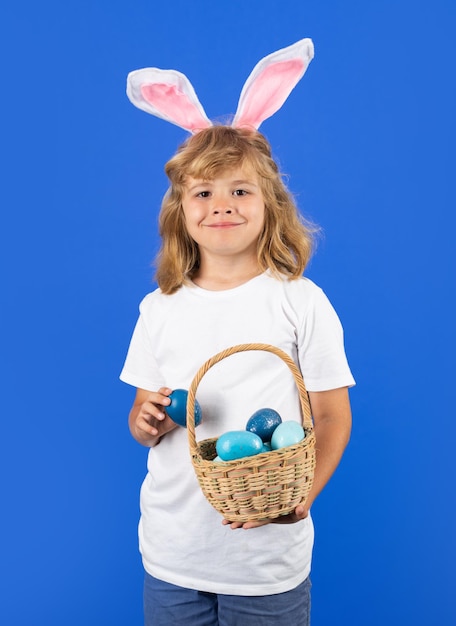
(266, 485)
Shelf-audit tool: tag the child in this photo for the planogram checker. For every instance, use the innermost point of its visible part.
(229, 272)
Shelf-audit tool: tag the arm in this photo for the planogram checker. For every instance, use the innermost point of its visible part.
(332, 422)
(147, 420)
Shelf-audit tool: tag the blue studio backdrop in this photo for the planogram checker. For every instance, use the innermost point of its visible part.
(367, 140)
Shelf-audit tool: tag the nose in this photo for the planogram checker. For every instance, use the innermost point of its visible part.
(222, 205)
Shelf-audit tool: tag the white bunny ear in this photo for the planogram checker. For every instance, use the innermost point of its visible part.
(271, 82)
(167, 94)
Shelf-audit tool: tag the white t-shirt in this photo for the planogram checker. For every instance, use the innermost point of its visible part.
(182, 539)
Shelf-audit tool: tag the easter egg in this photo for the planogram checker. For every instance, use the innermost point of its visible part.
(236, 444)
(263, 423)
(177, 410)
(287, 434)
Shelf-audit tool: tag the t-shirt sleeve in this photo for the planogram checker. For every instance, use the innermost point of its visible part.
(140, 368)
(321, 350)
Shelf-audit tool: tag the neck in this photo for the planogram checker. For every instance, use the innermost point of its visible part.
(225, 274)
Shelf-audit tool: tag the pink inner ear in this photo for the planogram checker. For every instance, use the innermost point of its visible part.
(174, 105)
(269, 91)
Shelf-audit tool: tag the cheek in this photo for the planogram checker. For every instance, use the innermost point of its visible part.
(261, 216)
(193, 214)
(191, 220)
(186, 215)
(263, 223)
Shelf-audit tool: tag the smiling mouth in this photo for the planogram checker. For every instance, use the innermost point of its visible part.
(224, 225)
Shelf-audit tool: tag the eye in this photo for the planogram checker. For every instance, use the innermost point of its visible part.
(203, 194)
(240, 192)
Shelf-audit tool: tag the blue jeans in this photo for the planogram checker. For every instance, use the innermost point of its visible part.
(169, 605)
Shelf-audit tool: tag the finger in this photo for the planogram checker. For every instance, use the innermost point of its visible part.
(232, 525)
(150, 410)
(163, 399)
(143, 424)
(297, 515)
(256, 524)
(246, 525)
(159, 398)
(301, 511)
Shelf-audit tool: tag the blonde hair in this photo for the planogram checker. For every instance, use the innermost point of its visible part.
(286, 243)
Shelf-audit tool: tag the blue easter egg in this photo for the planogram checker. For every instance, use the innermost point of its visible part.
(263, 423)
(287, 434)
(236, 444)
(177, 410)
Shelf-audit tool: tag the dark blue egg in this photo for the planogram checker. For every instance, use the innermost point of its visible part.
(263, 423)
(236, 444)
(177, 410)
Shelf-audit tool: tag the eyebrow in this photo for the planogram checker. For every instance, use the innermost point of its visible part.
(244, 182)
(204, 183)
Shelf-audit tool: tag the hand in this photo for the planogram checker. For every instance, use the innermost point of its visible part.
(300, 513)
(148, 420)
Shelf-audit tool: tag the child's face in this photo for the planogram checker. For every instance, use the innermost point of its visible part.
(225, 216)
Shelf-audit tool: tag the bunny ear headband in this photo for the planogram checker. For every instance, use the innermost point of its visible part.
(169, 94)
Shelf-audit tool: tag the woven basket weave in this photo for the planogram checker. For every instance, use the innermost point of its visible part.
(265, 485)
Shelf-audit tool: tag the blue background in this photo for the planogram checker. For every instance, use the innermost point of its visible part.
(367, 138)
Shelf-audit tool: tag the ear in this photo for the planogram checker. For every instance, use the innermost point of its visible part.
(271, 82)
(167, 94)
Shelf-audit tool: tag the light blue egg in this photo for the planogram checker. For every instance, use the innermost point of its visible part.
(236, 444)
(287, 434)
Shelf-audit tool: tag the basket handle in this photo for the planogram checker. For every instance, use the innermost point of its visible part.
(304, 398)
